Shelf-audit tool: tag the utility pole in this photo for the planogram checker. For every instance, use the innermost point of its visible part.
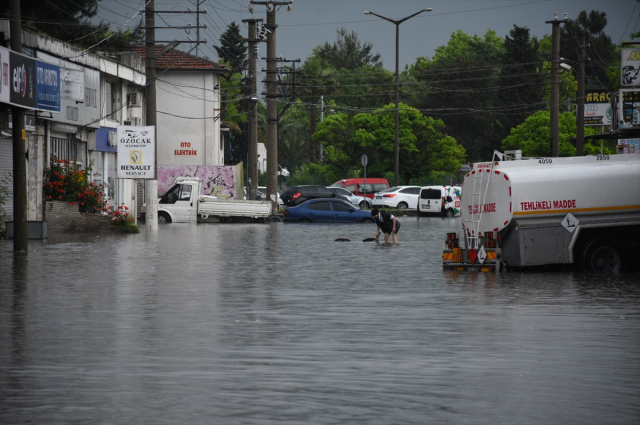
(580, 95)
(272, 99)
(252, 166)
(151, 187)
(20, 235)
(555, 84)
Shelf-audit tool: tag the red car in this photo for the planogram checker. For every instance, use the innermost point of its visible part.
(358, 187)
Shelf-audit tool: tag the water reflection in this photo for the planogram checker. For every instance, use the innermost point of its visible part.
(281, 324)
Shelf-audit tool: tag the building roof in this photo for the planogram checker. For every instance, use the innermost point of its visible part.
(175, 59)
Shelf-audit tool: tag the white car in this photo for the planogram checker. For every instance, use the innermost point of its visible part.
(398, 197)
(360, 201)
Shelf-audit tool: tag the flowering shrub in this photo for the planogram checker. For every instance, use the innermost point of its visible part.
(120, 217)
(65, 182)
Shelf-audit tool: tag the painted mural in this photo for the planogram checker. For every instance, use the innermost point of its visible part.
(217, 181)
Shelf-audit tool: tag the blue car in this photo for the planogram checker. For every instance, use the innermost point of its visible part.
(327, 210)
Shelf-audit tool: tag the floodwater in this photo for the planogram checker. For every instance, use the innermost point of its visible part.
(280, 324)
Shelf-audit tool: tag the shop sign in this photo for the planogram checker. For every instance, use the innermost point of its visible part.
(136, 152)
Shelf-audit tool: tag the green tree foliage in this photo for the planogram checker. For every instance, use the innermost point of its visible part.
(600, 50)
(347, 72)
(233, 47)
(293, 138)
(347, 52)
(521, 83)
(533, 136)
(460, 81)
(69, 21)
(423, 146)
(317, 79)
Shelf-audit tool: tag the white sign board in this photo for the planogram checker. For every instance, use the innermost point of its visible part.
(136, 152)
(630, 67)
(597, 114)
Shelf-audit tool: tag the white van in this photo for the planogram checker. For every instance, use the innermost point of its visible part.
(440, 200)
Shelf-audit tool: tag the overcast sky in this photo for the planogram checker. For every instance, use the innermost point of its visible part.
(312, 22)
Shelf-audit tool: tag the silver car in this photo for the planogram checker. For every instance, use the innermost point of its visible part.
(360, 201)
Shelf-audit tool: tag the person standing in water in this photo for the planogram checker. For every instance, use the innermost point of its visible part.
(387, 223)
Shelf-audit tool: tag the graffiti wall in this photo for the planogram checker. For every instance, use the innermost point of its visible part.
(217, 181)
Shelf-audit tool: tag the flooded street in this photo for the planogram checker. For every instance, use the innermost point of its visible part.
(280, 324)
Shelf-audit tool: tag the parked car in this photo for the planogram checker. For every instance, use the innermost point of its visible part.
(440, 200)
(261, 196)
(360, 201)
(295, 195)
(398, 197)
(357, 186)
(327, 210)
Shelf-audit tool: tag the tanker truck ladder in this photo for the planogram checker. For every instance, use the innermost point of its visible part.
(478, 199)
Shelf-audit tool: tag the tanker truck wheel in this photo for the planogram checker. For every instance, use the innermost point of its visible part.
(601, 256)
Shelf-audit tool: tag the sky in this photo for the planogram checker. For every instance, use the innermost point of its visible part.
(313, 22)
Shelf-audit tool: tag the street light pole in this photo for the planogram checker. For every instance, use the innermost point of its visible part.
(397, 22)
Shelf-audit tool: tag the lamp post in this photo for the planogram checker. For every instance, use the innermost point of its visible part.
(397, 23)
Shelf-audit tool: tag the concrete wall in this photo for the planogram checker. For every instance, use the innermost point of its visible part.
(188, 132)
(65, 218)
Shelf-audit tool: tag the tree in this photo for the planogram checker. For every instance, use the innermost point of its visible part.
(347, 52)
(460, 81)
(521, 84)
(532, 136)
(233, 47)
(423, 146)
(293, 138)
(600, 51)
(69, 21)
(317, 80)
(342, 141)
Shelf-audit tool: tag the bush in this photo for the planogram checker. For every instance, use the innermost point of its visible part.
(120, 217)
(65, 182)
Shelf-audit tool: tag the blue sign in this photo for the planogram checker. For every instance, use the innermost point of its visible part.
(106, 139)
(47, 86)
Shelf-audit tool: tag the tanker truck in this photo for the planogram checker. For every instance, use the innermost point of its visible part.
(577, 211)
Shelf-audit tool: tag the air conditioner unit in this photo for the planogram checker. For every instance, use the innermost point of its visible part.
(133, 99)
(132, 122)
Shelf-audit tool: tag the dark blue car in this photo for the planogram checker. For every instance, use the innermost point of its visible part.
(327, 210)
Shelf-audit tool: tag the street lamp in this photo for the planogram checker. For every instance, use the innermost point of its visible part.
(397, 23)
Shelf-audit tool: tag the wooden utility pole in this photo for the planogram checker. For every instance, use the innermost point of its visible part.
(20, 235)
(272, 99)
(555, 85)
(252, 161)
